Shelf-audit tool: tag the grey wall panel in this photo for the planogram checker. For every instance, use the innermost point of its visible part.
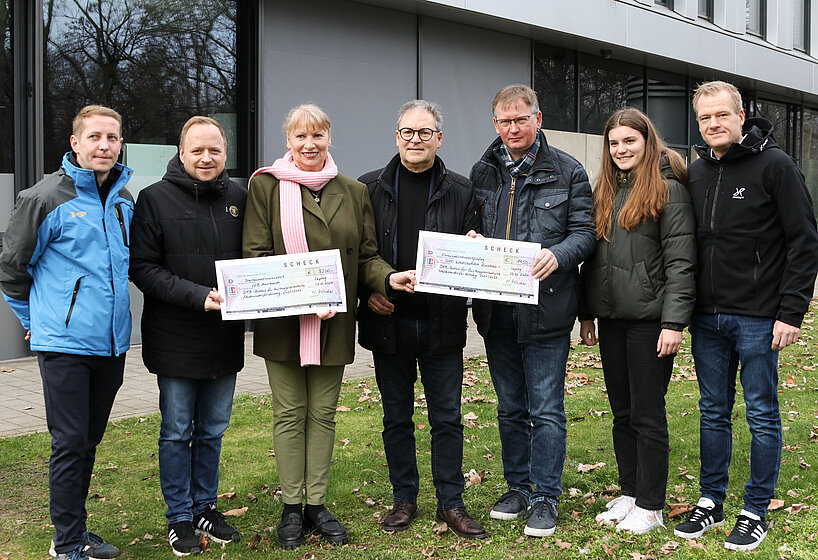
(462, 68)
(358, 62)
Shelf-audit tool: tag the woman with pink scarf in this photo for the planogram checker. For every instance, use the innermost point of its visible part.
(301, 203)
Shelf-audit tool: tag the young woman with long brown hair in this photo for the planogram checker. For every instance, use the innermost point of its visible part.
(640, 285)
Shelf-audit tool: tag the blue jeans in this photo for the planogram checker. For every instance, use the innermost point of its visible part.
(442, 378)
(195, 414)
(529, 379)
(720, 343)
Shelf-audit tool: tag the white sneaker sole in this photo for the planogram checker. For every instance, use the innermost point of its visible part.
(504, 516)
(698, 534)
(751, 546)
(639, 530)
(532, 532)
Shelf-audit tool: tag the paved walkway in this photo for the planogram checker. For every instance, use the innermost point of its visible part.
(22, 410)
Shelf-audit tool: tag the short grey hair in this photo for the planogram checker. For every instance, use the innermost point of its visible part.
(432, 108)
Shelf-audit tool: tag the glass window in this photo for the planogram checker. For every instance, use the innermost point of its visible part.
(6, 90)
(779, 115)
(606, 86)
(667, 3)
(706, 9)
(800, 30)
(755, 16)
(156, 62)
(809, 154)
(556, 85)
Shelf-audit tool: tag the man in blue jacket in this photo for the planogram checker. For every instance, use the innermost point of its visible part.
(529, 191)
(757, 260)
(64, 272)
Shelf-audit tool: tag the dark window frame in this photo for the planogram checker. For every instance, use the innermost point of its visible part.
(806, 28)
(762, 21)
(708, 11)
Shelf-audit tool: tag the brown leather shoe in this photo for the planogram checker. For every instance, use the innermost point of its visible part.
(461, 523)
(400, 517)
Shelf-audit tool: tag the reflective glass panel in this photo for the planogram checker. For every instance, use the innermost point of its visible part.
(157, 62)
(6, 90)
(605, 87)
(800, 24)
(755, 16)
(809, 154)
(555, 84)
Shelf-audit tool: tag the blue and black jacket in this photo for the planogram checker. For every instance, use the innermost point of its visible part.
(64, 264)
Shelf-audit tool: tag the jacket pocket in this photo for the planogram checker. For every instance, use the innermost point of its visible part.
(551, 213)
(645, 283)
(120, 217)
(73, 300)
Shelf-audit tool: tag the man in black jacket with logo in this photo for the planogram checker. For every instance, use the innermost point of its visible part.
(182, 225)
(416, 192)
(757, 260)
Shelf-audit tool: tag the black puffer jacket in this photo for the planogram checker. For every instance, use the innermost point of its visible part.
(180, 228)
(647, 273)
(553, 209)
(756, 234)
(451, 209)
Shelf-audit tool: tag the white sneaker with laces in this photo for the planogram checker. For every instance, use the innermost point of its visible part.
(617, 510)
(640, 521)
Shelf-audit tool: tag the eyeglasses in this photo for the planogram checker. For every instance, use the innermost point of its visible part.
(425, 134)
(519, 121)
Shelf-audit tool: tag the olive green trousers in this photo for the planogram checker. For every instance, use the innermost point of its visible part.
(304, 403)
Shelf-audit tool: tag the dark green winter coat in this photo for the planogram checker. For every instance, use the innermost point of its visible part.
(647, 273)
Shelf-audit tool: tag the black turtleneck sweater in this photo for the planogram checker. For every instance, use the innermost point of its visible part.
(413, 196)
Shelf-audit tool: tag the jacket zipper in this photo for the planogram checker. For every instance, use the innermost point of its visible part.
(73, 300)
(216, 233)
(120, 218)
(713, 234)
(510, 206)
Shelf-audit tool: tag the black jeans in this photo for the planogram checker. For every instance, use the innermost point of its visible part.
(442, 378)
(637, 380)
(79, 392)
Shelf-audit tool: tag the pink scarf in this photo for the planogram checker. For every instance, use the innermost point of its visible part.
(295, 239)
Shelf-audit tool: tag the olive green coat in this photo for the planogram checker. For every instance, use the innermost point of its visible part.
(648, 273)
(343, 221)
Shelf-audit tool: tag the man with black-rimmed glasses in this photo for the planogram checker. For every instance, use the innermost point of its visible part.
(416, 192)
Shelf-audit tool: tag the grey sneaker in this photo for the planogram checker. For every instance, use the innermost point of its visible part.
(509, 506)
(95, 548)
(542, 520)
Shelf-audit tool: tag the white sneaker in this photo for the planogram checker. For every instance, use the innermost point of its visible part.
(640, 521)
(618, 509)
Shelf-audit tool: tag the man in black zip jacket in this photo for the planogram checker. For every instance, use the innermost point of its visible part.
(757, 260)
(416, 192)
(182, 225)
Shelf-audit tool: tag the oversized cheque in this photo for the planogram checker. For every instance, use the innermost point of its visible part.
(484, 268)
(281, 285)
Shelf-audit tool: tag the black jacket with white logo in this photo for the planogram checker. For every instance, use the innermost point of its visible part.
(756, 232)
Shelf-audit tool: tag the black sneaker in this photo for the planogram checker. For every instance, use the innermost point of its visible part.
(542, 520)
(211, 522)
(291, 531)
(183, 540)
(509, 506)
(704, 517)
(95, 548)
(747, 534)
(327, 526)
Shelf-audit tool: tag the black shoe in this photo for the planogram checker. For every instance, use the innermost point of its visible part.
(212, 523)
(747, 534)
(327, 526)
(291, 531)
(701, 519)
(183, 540)
(542, 520)
(509, 506)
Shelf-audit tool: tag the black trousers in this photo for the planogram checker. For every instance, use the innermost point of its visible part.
(79, 392)
(637, 380)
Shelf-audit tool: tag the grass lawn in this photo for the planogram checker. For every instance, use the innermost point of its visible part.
(125, 503)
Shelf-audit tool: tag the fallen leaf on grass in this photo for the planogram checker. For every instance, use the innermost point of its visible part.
(440, 528)
(252, 498)
(679, 509)
(428, 552)
(775, 504)
(793, 494)
(640, 556)
(370, 502)
(693, 543)
(227, 496)
(795, 508)
(474, 477)
(609, 550)
(562, 544)
(573, 492)
(803, 465)
(587, 468)
(470, 416)
(345, 441)
(236, 512)
(342, 409)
